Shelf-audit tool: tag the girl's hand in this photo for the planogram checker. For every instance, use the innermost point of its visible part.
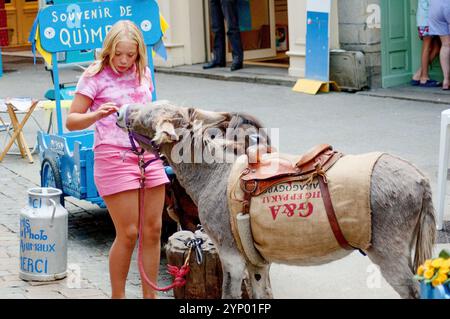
(106, 110)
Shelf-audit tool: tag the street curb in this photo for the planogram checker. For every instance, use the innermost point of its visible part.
(12, 54)
(399, 96)
(257, 79)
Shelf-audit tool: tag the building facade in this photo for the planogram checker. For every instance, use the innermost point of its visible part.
(274, 33)
(384, 31)
(272, 28)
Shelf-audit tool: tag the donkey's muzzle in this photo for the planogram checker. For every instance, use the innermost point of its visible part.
(122, 116)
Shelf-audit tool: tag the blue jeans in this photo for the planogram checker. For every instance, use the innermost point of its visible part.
(226, 10)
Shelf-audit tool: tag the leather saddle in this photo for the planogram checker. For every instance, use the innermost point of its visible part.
(262, 174)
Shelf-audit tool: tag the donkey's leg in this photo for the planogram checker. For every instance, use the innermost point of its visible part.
(397, 270)
(260, 281)
(233, 268)
(233, 263)
(215, 218)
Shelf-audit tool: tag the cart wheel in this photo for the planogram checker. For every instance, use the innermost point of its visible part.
(51, 177)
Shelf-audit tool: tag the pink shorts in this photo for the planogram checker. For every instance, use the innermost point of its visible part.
(116, 170)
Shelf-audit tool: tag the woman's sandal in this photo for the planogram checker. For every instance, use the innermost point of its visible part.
(430, 84)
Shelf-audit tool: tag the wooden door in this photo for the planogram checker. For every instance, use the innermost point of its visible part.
(257, 24)
(20, 17)
(258, 29)
(396, 42)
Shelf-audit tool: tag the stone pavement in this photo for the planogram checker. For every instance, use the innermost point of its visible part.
(91, 233)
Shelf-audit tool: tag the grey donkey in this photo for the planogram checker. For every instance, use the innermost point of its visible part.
(403, 218)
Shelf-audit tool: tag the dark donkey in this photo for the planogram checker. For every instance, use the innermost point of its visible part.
(400, 197)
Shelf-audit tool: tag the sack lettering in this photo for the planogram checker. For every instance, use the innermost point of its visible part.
(292, 210)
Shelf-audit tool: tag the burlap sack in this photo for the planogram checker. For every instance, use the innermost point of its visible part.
(289, 221)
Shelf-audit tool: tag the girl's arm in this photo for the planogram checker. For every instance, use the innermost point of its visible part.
(79, 118)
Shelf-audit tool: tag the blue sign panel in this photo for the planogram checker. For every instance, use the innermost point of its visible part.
(80, 26)
(317, 45)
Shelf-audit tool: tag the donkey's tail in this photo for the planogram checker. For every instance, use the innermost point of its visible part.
(426, 228)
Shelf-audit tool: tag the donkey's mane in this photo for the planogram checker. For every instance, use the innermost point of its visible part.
(246, 121)
(241, 120)
(238, 130)
(233, 124)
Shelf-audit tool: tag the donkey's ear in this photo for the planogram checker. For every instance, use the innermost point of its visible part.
(208, 116)
(165, 133)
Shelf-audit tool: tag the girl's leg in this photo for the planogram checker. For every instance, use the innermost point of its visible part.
(151, 237)
(123, 208)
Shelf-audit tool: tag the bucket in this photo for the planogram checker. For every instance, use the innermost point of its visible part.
(43, 236)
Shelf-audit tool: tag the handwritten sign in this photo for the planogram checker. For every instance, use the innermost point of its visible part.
(81, 26)
(34, 241)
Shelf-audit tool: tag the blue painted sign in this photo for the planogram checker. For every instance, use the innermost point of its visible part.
(81, 26)
(317, 40)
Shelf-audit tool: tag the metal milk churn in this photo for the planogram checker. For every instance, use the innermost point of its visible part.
(43, 236)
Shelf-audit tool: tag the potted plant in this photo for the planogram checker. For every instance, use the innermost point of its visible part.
(434, 277)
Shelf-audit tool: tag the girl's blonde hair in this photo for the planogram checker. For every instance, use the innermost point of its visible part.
(123, 30)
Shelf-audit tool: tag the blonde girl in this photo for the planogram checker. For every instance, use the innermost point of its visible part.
(121, 76)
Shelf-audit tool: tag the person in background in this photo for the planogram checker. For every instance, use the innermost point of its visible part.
(227, 9)
(121, 76)
(439, 22)
(430, 47)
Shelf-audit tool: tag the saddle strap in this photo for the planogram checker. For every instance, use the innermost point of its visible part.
(332, 215)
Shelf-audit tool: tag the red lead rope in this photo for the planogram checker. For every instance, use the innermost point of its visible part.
(178, 273)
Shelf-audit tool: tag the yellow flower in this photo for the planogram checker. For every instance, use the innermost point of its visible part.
(444, 270)
(446, 263)
(438, 262)
(420, 270)
(439, 280)
(427, 263)
(429, 273)
(435, 283)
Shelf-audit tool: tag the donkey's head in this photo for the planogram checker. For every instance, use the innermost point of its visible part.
(164, 123)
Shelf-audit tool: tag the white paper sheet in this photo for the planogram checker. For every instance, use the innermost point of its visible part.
(20, 103)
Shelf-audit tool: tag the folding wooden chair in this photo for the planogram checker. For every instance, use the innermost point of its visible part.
(18, 135)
